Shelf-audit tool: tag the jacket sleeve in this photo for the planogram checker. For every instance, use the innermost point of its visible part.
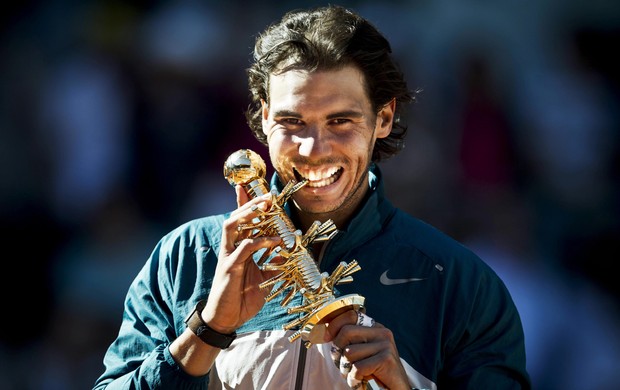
(487, 348)
(139, 357)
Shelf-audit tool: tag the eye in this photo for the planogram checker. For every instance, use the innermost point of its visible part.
(292, 121)
(340, 121)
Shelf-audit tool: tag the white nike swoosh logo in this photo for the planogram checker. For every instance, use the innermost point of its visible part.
(388, 282)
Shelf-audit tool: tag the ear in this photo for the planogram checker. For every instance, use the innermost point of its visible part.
(265, 114)
(385, 119)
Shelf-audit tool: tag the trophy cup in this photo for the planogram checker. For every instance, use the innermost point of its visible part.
(299, 272)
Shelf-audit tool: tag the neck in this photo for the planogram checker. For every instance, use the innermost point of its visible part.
(340, 217)
(303, 220)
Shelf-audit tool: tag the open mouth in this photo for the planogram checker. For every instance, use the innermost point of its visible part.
(319, 177)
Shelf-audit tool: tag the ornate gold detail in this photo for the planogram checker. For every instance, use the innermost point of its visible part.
(299, 272)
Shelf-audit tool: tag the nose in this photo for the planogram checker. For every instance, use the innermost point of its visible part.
(313, 143)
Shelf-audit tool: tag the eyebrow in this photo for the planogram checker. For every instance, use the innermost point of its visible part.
(345, 114)
(286, 113)
(341, 114)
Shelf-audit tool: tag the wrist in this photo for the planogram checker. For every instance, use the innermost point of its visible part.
(215, 326)
(207, 334)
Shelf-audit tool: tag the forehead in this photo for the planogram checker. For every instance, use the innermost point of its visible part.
(325, 86)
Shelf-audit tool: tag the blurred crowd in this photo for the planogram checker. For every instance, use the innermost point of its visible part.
(116, 118)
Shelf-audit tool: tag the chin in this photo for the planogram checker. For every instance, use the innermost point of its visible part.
(318, 206)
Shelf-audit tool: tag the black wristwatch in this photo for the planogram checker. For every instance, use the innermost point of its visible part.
(197, 325)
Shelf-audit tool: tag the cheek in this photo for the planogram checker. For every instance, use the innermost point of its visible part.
(277, 145)
(274, 139)
(356, 144)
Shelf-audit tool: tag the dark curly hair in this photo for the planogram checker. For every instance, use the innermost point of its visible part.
(327, 38)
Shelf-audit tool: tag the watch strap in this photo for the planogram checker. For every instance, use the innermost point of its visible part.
(209, 336)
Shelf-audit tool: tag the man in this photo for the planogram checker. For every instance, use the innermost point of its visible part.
(326, 100)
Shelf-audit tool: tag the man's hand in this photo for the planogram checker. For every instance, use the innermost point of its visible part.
(364, 352)
(235, 295)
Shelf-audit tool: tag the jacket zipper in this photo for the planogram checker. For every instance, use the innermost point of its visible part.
(299, 381)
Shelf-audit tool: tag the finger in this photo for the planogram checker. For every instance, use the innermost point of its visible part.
(345, 365)
(377, 358)
(246, 204)
(250, 245)
(355, 383)
(364, 320)
(360, 342)
(336, 353)
(234, 227)
(242, 196)
(349, 370)
(348, 317)
(360, 375)
(361, 319)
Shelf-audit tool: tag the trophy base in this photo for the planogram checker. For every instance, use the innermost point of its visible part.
(313, 330)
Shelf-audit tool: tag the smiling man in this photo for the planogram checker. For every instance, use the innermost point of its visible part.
(322, 126)
(327, 100)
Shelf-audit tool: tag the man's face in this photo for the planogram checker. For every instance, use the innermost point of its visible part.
(321, 126)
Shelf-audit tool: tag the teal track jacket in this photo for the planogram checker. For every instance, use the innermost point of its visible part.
(453, 320)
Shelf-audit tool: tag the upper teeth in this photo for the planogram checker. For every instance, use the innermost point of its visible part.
(320, 174)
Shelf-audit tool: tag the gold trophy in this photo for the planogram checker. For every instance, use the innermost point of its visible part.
(299, 272)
